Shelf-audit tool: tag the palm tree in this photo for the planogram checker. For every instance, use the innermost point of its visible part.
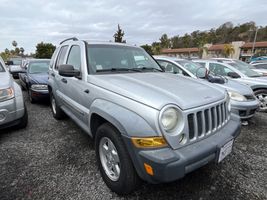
(228, 50)
(201, 50)
(14, 44)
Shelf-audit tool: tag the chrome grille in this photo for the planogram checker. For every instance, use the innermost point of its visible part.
(207, 121)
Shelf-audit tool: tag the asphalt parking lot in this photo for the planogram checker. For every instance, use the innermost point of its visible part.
(56, 160)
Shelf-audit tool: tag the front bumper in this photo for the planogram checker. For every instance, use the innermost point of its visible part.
(245, 109)
(11, 111)
(39, 94)
(169, 165)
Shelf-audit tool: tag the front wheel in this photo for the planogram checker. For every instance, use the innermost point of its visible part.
(262, 97)
(114, 161)
(24, 120)
(56, 110)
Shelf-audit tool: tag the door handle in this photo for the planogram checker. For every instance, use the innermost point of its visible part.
(86, 91)
(64, 80)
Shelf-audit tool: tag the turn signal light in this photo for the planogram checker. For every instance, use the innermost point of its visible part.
(149, 169)
(150, 142)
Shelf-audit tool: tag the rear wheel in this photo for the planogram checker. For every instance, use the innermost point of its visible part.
(114, 161)
(56, 110)
(262, 97)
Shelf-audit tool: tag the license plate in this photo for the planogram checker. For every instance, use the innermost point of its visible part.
(225, 150)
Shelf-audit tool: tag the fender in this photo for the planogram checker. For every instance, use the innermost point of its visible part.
(126, 121)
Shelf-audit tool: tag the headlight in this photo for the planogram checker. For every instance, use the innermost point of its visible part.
(39, 87)
(6, 94)
(169, 119)
(236, 96)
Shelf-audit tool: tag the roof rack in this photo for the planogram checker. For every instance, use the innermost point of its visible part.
(72, 38)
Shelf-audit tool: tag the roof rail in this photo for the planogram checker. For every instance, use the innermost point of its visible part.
(72, 38)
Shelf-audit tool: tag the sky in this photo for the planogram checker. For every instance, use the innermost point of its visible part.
(31, 21)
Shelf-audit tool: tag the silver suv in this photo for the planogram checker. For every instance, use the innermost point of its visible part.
(146, 124)
(12, 109)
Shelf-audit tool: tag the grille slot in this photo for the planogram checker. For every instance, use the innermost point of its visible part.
(191, 126)
(199, 123)
(207, 121)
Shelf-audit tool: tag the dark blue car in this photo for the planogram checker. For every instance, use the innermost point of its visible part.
(35, 79)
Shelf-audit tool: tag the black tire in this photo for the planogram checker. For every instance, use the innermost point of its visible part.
(56, 111)
(263, 104)
(128, 179)
(32, 100)
(24, 120)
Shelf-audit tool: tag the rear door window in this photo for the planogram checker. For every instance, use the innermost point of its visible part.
(219, 69)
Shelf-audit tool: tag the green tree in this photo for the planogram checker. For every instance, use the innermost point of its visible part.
(21, 50)
(14, 43)
(148, 49)
(44, 50)
(118, 36)
(165, 42)
(156, 48)
(228, 49)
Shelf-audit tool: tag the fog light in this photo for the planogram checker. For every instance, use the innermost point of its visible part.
(149, 169)
(2, 116)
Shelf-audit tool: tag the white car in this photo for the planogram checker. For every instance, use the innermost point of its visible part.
(241, 73)
(260, 67)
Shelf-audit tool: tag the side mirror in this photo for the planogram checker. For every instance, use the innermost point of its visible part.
(68, 71)
(215, 79)
(233, 75)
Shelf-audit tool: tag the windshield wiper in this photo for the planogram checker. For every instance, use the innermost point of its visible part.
(148, 69)
(119, 70)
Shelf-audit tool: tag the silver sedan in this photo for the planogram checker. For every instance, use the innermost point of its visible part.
(12, 109)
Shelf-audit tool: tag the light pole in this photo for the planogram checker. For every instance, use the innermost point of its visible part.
(253, 46)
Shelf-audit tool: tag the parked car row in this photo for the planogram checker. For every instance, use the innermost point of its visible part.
(241, 72)
(243, 101)
(146, 124)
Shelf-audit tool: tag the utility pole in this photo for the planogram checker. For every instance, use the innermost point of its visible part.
(253, 46)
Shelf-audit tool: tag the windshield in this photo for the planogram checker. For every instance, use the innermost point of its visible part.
(194, 68)
(38, 67)
(244, 68)
(117, 58)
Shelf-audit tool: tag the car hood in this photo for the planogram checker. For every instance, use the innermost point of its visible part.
(254, 81)
(6, 80)
(232, 85)
(159, 89)
(41, 78)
